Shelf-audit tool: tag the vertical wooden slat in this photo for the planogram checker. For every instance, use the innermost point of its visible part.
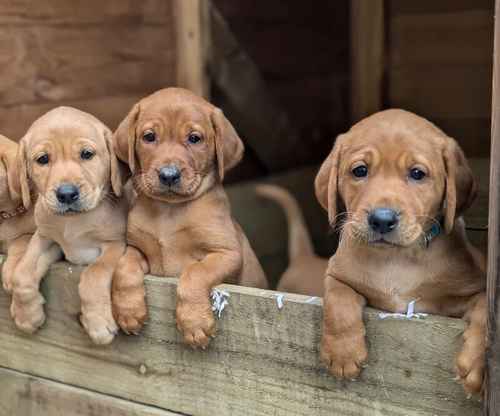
(192, 34)
(367, 57)
(492, 406)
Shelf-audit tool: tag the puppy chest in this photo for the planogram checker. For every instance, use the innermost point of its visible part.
(168, 253)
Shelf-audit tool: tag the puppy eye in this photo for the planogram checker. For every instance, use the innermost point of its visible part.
(194, 138)
(43, 159)
(87, 154)
(417, 174)
(149, 136)
(360, 171)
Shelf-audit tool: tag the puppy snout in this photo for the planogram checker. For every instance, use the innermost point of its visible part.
(67, 193)
(169, 175)
(383, 220)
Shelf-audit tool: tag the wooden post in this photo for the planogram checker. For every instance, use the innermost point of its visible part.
(192, 38)
(492, 405)
(367, 57)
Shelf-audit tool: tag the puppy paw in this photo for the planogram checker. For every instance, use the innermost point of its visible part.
(130, 312)
(470, 363)
(344, 355)
(196, 323)
(101, 327)
(28, 316)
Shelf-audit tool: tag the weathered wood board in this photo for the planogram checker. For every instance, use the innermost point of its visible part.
(25, 395)
(263, 360)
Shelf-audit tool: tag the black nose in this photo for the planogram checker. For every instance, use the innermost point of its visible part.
(169, 175)
(67, 193)
(383, 220)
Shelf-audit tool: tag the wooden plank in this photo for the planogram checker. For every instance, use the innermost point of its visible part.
(453, 38)
(58, 64)
(492, 406)
(62, 12)
(442, 91)
(441, 6)
(367, 57)
(25, 395)
(15, 120)
(263, 360)
(244, 96)
(192, 23)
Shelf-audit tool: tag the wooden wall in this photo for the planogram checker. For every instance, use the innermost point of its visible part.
(302, 52)
(99, 56)
(439, 64)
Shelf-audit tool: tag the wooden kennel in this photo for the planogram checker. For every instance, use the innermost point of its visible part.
(432, 57)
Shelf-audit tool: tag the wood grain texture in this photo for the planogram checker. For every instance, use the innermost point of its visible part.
(25, 395)
(263, 360)
(367, 57)
(192, 20)
(492, 407)
(439, 63)
(91, 53)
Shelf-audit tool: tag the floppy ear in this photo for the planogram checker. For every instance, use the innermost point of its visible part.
(461, 187)
(19, 186)
(228, 145)
(116, 177)
(9, 160)
(124, 138)
(326, 182)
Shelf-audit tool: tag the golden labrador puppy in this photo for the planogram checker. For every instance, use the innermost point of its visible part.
(17, 224)
(178, 147)
(67, 156)
(399, 185)
(306, 270)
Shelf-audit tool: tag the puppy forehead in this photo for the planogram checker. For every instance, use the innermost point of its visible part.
(395, 143)
(174, 115)
(66, 124)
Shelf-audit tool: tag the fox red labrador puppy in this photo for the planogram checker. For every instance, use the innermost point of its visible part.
(66, 157)
(178, 147)
(17, 224)
(398, 186)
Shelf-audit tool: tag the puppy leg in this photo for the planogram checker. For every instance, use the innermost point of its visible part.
(27, 302)
(195, 319)
(15, 252)
(129, 294)
(95, 294)
(470, 360)
(343, 345)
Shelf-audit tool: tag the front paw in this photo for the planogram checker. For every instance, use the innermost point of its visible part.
(344, 354)
(470, 362)
(130, 311)
(196, 322)
(28, 316)
(101, 327)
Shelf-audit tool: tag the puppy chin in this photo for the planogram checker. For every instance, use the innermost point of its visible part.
(178, 194)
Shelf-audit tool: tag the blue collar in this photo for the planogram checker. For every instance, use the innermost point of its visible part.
(433, 232)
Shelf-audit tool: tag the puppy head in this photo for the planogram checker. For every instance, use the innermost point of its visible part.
(10, 197)
(391, 177)
(66, 155)
(177, 145)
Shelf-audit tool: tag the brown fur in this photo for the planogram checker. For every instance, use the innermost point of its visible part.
(93, 234)
(306, 270)
(447, 277)
(15, 232)
(186, 230)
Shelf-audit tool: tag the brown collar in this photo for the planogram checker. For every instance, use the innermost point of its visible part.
(4, 215)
